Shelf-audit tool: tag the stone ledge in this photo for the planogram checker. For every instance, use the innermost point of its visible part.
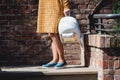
(103, 41)
(69, 70)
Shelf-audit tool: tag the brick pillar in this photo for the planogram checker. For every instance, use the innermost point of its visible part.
(104, 56)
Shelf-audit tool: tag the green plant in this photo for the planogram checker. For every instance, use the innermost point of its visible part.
(116, 10)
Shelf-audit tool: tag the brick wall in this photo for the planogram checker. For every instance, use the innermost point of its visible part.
(19, 42)
(20, 45)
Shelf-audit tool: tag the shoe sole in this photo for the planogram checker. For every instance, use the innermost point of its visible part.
(45, 67)
(60, 67)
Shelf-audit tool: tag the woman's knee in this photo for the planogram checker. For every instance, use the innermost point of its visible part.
(53, 35)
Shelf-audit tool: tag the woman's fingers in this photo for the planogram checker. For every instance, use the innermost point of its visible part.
(67, 12)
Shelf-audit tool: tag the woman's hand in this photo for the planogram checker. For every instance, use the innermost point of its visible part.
(67, 12)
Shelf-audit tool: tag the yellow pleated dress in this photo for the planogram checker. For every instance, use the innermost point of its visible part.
(49, 14)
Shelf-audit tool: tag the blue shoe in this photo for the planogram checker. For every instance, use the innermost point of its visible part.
(49, 65)
(60, 65)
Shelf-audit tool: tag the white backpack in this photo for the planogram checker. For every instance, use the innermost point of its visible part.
(68, 27)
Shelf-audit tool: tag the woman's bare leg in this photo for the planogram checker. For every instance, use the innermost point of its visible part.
(57, 48)
(54, 52)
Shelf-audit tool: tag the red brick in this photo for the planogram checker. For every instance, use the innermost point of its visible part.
(91, 6)
(105, 57)
(100, 63)
(108, 77)
(108, 72)
(111, 64)
(117, 77)
(105, 64)
(72, 57)
(82, 6)
(107, 11)
(83, 22)
(117, 64)
(70, 62)
(117, 71)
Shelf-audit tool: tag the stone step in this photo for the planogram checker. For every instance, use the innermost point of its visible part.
(37, 73)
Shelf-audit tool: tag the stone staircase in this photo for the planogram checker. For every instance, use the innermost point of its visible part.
(71, 72)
